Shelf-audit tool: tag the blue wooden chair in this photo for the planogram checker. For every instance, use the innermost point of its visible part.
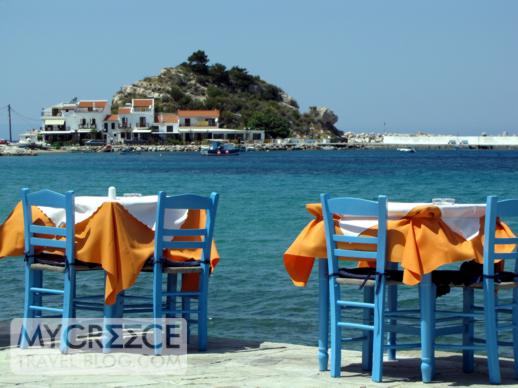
(374, 325)
(165, 240)
(492, 284)
(38, 237)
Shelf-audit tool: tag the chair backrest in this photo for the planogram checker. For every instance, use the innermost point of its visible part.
(355, 208)
(199, 238)
(49, 236)
(498, 209)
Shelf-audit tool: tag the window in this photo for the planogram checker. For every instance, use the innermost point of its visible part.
(113, 125)
(142, 122)
(106, 126)
(187, 122)
(169, 128)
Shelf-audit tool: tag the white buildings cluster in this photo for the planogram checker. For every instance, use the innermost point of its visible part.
(136, 122)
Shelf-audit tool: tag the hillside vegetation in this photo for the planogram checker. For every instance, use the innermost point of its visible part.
(245, 100)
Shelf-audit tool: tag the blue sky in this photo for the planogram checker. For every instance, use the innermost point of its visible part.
(441, 66)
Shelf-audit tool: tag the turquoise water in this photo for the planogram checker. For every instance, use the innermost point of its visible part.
(262, 198)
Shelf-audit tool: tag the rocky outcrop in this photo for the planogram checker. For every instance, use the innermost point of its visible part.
(242, 98)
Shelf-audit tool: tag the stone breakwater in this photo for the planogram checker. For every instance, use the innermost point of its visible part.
(198, 148)
(6, 150)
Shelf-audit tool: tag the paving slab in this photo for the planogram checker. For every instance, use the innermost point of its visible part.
(237, 363)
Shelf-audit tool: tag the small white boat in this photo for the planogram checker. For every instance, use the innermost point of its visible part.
(405, 149)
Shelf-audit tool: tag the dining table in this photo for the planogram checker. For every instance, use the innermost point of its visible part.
(421, 237)
(115, 232)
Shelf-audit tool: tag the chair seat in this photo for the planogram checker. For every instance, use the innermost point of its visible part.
(175, 266)
(470, 276)
(367, 277)
(479, 286)
(368, 283)
(56, 263)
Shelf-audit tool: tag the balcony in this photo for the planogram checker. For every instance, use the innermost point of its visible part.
(89, 110)
(87, 126)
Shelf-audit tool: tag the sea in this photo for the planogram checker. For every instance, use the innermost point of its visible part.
(261, 211)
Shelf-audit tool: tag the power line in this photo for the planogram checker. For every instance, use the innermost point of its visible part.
(24, 116)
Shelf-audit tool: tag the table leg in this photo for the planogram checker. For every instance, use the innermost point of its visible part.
(427, 305)
(323, 306)
(112, 312)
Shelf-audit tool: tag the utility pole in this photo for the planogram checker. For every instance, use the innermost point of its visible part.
(10, 130)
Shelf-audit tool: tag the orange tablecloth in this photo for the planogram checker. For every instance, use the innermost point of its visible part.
(111, 237)
(421, 242)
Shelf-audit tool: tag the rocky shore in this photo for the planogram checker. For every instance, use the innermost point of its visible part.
(11, 150)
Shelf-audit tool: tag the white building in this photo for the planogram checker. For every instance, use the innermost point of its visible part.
(450, 140)
(92, 119)
(199, 118)
(166, 124)
(74, 121)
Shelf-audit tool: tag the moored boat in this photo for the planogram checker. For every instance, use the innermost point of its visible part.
(220, 148)
(405, 149)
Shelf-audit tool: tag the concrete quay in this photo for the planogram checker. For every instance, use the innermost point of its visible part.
(237, 363)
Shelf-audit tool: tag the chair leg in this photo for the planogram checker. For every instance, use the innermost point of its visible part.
(468, 359)
(157, 307)
(203, 319)
(186, 308)
(336, 333)
(37, 298)
(368, 297)
(515, 331)
(172, 281)
(323, 310)
(28, 313)
(379, 330)
(68, 305)
(392, 307)
(74, 295)
(491, 331)
(427, 294)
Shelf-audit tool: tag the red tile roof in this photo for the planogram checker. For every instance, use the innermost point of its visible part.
(111, 118)
(142, 102)
(93, 104)
(199, 113)
(124, 110)
(166, 118)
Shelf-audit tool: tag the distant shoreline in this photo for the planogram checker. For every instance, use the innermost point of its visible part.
(123, 149)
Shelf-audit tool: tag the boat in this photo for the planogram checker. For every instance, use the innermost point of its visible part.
(220, 148)
(127, 151)
(405, 149)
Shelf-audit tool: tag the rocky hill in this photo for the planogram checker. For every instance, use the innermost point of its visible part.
(245, 100)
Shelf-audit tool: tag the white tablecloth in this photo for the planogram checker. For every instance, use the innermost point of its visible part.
(463, 219)
(142, 208)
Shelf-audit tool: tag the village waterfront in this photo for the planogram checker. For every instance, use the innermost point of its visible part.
(262, 209)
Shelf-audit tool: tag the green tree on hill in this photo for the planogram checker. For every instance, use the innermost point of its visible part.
(198, 61)
(273, 124)
(219, 74)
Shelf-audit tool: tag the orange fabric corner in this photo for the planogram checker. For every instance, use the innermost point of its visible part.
(421, 242)
(111, 237)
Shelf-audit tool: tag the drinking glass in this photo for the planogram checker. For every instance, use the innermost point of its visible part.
(443, 201)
